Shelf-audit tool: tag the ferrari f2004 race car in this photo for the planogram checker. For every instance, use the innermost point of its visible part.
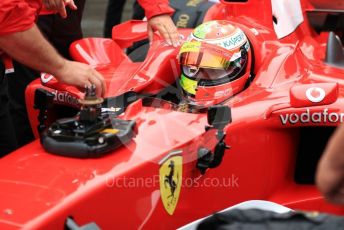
(169, 143)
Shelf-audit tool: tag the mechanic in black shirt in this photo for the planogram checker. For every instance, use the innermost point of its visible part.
(21, 39)
(60, 30)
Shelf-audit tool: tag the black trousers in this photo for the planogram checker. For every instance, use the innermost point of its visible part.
(61, 33)
(139, 12)
(7, 136)
(113, 16)
(114, 12)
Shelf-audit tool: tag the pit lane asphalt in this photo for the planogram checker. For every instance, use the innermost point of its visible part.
(94, 14)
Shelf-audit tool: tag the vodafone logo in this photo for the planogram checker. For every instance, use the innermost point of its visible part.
(65, 98)
(315, 94)
(45, 78)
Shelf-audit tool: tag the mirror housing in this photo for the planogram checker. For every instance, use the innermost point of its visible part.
(219, 116)
(127, 33)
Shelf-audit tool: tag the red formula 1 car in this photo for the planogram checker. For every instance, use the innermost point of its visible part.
(142, 159)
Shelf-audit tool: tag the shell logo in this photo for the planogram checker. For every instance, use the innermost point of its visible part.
(315, 94)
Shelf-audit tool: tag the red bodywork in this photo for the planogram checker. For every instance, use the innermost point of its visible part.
(40, 190)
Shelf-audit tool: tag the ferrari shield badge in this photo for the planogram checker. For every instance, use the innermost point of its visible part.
(170, 174)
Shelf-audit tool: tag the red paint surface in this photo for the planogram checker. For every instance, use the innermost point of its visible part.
(41, 189)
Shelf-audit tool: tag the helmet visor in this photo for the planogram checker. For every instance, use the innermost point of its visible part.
(203, 61)
(204, 55)
(207, 73)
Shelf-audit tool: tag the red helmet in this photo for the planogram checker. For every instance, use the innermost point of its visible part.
(215, 63)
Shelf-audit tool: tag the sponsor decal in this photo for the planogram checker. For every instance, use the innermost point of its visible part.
(234, 41)
(45, 78)
(110, 131)
(315, 94)
(194, 3)
(112, 109)
(183, 20)
(229, 43)
(202, 29)
(312, 117)
(193, 46)
(9, 70)
(223, 93)
(8, 63)
(65, 98)
(170, 175)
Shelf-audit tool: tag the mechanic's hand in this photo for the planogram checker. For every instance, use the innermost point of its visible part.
(164, 24)
(81, 75)
(60, 6)
(330, 172)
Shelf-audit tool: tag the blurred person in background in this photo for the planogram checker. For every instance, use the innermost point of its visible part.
(158, 14)
(113, 16)
(138, 11)
(114, 11)
(330, 171)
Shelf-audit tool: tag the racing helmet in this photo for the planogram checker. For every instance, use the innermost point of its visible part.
(215, 63)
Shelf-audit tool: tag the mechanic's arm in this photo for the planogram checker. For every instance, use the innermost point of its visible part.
(158, 16)
(31, 48)
(330, 172)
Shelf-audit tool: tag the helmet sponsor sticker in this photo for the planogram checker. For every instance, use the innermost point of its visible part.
(223, 93)
(315, 94)
(170, 176)
(201, 30)
(235, 41)
(190, 47)
(231, 42)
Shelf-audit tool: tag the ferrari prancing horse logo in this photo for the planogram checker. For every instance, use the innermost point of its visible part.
(170, 182)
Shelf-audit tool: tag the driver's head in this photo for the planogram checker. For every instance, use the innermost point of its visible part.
(214, 62)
